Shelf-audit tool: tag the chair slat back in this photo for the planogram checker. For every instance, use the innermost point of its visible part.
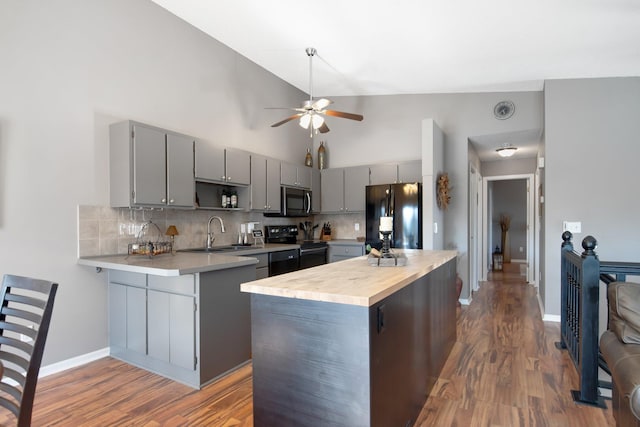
(25, 315)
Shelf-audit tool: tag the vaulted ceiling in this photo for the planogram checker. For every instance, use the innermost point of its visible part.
(372, 47)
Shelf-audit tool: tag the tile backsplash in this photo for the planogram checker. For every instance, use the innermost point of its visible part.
(103, 230)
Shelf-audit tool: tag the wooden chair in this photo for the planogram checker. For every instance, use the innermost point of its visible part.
(24, 323)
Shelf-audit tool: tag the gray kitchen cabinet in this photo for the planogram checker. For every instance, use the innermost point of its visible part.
(213, 163)
(344, 189)
(150, 166)
(295, 175)
(339, 250)
(332, 194)
(410, 171)
(315, 191)
(383, 174)
(265, 184)
(356, 180)
(171, 328)
(191, 328)
(262, 267)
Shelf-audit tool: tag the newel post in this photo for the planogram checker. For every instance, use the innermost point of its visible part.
(589, 322)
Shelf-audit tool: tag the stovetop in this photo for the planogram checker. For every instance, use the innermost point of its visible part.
(289, 234)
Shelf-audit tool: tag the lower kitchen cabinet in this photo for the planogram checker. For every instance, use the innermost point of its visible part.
(341, 250)
(190, 328)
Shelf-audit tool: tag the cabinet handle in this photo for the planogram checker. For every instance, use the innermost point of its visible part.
(228, 178)
(164, 200)
(224, 178)
(172, 201)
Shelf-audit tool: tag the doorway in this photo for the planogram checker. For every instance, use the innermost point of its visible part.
(517, 202)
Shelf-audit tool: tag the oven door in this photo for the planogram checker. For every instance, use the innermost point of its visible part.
(312, 257)
(295, 202)
(282, 262)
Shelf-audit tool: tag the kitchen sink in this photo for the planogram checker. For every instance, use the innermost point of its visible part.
(230, 248)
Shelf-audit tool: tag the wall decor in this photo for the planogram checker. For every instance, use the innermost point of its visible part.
(443, 191)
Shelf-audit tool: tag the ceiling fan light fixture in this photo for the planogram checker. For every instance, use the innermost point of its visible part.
(305, 120)
(506, 150)
(317, 121)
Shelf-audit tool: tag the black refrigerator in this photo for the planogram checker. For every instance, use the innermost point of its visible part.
(403, 202)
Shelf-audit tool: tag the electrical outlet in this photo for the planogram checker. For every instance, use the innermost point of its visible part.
(357, 226)
(521, 249)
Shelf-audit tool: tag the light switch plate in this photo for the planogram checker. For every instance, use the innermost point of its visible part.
(572, 226)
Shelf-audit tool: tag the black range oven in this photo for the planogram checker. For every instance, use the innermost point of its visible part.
(311, 253)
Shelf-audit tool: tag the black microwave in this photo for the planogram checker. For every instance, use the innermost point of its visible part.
(294, 202)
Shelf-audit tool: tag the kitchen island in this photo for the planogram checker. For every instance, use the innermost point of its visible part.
(180, 315)
(348, 344)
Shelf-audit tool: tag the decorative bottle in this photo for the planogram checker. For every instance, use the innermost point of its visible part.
(308, 159)
(321, 156)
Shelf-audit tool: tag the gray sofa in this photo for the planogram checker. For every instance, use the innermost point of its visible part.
(620, 348)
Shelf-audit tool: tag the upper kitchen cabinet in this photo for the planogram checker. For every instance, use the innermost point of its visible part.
(410, 171)
(225, 165)
(295, 175)
(383, 174)
(265, 184)
(343, 189)
(391, 173)
(150, 167)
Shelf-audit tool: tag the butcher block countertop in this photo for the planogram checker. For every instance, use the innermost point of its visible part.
(352, 281)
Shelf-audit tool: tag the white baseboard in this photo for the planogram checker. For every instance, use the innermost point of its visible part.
(551, 318)
(465, 301)
(518, 261)
(57, 367)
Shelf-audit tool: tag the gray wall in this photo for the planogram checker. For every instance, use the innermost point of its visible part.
(391, 131)
(592, 148)
(69, 68)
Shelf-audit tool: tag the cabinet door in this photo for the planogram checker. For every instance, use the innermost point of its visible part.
(180, 179)
(304, 177)
(209, 162)
(356, 180)
(172, 328)
(273, 185)
(410, 171)
(332, 198)
(315, 190)
(149, 166)
(238, 166)
(288, 174)
(383, 174)
(258, 184)
(117, 315)
(136, 319)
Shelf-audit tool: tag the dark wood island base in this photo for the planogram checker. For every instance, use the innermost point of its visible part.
(323, 363)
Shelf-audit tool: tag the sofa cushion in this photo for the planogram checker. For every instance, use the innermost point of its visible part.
(624, 311)
(624, 362)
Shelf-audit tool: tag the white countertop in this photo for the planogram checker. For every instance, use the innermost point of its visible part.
(351, 281)
(181, 262)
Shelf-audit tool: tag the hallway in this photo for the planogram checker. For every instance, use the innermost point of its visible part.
(504, 369)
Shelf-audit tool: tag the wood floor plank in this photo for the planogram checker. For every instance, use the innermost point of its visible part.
(503, 370)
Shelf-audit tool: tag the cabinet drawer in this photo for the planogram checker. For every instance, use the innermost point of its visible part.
(128, 278)
(347, 250)
(263, 260)
(180, 284)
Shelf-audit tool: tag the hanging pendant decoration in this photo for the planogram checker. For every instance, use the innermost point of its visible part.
(443, 190)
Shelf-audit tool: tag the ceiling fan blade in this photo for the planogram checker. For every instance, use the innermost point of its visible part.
(350, 116)
(324, 128)
(288, 119)
(321, 104)
(285, 108)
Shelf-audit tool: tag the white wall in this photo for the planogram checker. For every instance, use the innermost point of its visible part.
(69, 68)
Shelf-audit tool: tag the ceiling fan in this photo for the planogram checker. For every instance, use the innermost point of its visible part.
(312, 112)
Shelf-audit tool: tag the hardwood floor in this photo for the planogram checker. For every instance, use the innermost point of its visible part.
(504, 370)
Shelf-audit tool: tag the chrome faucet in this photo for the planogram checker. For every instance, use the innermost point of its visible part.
(210, 237)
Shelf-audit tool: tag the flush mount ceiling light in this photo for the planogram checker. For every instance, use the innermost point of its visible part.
(311, 114)
(506, 150)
